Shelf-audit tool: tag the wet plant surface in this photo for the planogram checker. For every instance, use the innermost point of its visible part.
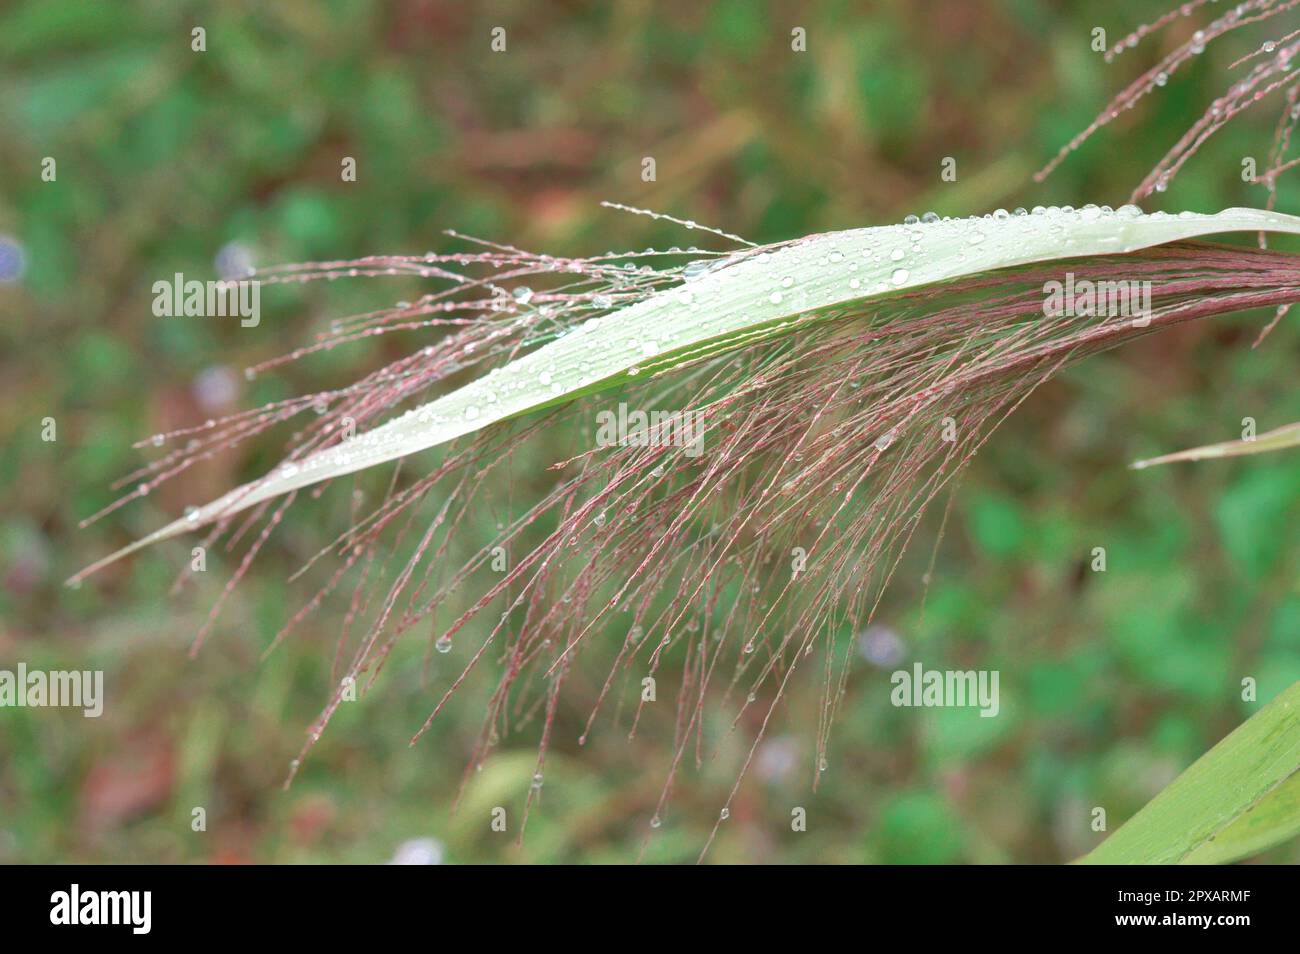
(748, 581)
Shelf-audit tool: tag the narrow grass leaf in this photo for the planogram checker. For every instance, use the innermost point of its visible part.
(1274, 820)
(752, 295)
(1278, 439)
(1240, 798)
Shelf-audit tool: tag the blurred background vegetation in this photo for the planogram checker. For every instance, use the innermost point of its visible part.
(1111, 683)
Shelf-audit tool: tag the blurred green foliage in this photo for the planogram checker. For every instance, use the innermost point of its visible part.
(1111, 682)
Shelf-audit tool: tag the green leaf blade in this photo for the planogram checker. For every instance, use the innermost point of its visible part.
(1239, 797)
(1272, 821)
(757, 295)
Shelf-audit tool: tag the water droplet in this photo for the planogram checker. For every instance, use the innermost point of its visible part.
(655, 822)
(725, 814)
(900, 275)
(443, 645)
(523, 294)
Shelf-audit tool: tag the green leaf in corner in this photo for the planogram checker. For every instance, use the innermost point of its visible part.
(1240, 798)
(1275, 819)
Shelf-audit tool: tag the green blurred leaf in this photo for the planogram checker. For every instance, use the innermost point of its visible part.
(37, 27)
(996, 524)
(919, 828)
(1252, 516)
(51, 101)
